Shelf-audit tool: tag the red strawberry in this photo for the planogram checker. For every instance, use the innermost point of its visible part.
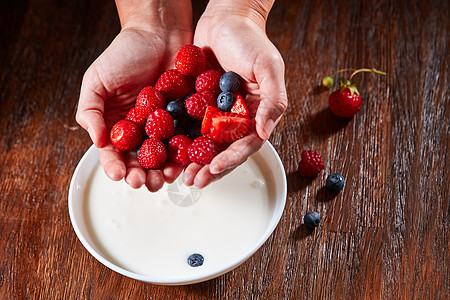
(153, 154)
(178, 148)
(345, 103)
(206, 124)
(160, 125)
(240, 107)
(208, 81)
(148, 100)
(196, 104)
(174, 85)
(311, 164)
(202, 150)
(227, 127)
(132, 116)
(126, 135)
(190, 60)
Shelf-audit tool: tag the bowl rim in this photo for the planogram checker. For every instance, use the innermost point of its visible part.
(280, 192)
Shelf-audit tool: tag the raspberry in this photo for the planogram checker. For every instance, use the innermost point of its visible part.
(208, 81)
(160, 125)
(311, 164)
(202, 150)
(178, 148)
(174, 85)
(190, 60)
(196, 104)
(148, 100)
(125, 135)
(132, 116)
(153, 154)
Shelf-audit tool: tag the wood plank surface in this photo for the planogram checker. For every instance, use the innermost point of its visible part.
(385, 236)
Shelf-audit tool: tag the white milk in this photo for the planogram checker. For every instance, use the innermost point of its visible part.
(153, 234)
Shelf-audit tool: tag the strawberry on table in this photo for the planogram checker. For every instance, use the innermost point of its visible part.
(178, 149)
(152, 154)
(197, 103)
(227, 127)
(160, 125)
(190, 60)
(202, 150)
(174, 85)
(125, 135)
(345, 103)
(148, 100)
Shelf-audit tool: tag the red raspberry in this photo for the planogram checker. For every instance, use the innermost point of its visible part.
(311, 164)
(178, 148)
(132, 116)
(202, 150)
(190, 60)
(345, 103)
(174, 85)
(148, 100)
(160, 125)
(126, 135)
(208, 81)
(153, 154)
(196, 104)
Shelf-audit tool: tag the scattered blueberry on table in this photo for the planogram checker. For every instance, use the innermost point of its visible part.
(195, 260)
(335, 182)
(311, 220)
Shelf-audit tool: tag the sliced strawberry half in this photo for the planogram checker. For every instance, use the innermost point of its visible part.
(227, 127)
(240, 107)
(206, 123)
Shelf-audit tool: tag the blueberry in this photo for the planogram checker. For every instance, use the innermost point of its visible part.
(195, 260)
(226, 100)
(311, 219)
(229, 82)
(335, 182)
(176, 109)
(179, 126)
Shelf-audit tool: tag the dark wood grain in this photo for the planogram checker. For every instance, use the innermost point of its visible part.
(385, 236)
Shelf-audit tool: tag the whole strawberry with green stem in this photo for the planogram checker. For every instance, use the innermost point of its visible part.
(346, 101)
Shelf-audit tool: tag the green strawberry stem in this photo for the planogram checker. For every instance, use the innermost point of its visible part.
(373, 70)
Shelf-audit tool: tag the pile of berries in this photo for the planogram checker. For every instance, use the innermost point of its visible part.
(190, 115)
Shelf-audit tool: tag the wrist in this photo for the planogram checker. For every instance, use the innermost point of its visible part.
(167, 15)
(255, 11)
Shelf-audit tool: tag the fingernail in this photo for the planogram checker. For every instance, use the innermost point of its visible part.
(268, 128)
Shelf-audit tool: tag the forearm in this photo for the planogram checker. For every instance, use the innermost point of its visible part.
(165, 14)
(257, 10)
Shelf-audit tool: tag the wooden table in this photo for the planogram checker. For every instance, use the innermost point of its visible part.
(385, 236)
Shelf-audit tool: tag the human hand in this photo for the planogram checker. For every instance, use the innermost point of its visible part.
(235, 38)
(139, 53)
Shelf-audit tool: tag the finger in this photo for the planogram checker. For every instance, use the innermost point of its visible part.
(190, 172)
(204, 176)
(135, 175)
(112, 161)
(236, 153)
(91, 106)
(269, 74)
(171, 171)
(155, 180)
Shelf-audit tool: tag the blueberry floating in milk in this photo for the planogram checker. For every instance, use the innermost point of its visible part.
(195, 260)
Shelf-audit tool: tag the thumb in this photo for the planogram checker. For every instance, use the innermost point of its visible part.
(91, 107)
(270, 77)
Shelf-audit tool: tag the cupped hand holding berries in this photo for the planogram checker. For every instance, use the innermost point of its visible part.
(233, 35)
(145, 47)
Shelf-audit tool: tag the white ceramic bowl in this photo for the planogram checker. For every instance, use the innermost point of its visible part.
(76, 203)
